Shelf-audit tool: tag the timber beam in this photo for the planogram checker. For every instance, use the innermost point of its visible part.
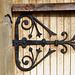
(43, 7)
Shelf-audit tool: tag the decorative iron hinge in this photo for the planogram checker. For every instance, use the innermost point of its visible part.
(24, 42)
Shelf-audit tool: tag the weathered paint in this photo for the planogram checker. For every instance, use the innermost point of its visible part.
(43, 7)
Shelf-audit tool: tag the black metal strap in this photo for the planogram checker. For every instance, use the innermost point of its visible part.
(24, 42)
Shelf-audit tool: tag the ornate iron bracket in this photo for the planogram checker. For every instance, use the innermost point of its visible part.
(24, 42)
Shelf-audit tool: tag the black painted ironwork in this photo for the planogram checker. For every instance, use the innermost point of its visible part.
(24, 42)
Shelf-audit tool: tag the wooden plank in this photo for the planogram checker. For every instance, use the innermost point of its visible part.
(67, 58)
(13, 1)
(51, 1)
(34, 70)
(59, 56)
(46, 36)
(25, 34)
(67, 55)
(46, 48)
(53, 55)
(17, 70)
(60, 1)
(72, 50)
(59, 65)
(73, 1)
(43, 7)
(67, 1)
(32, 1)
(40, 65)
(34, 37)
(26, 50)
(53, 28)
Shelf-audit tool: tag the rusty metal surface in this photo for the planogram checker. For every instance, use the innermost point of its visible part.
(43, 7)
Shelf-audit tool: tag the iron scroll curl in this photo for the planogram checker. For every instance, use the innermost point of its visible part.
(24, 42)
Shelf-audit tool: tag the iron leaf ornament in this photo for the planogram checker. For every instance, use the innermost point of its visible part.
(24, 42)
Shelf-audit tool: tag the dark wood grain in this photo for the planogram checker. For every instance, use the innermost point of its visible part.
(43, 7)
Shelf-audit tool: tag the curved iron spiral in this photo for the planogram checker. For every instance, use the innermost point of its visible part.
(63, 42)
(24, 42)
(34, 20)
(32, 59)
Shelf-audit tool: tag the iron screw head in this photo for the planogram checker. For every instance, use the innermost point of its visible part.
(56, 42)
(43, 42)
(16, 42)
(24, 42)
(30, 49)
(26, 22)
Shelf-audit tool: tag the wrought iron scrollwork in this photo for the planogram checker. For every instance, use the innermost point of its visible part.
(24, 42)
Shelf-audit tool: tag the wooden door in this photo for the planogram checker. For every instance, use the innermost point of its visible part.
(57, 63)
